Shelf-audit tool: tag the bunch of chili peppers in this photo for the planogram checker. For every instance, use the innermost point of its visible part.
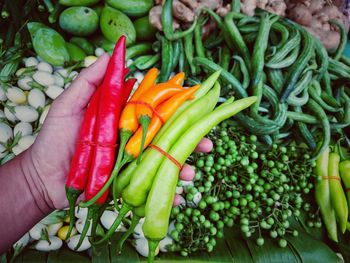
(94, 156)
(332, 168)
(151, 105)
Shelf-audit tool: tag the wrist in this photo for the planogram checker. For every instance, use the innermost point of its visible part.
(34, 183)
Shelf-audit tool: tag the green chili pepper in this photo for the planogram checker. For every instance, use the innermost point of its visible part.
(225, 58)
(76, 54)
(322, 195)
(344, 169)
(145, 62)
(48, 44)
(188, 46)
(198, 40)
(343, 38)
(160, 198)
(176, 53)
(338, 199)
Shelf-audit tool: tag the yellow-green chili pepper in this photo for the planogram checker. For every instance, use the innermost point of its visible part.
(322, 195)
(344, 169)
(338, 199)
(160, 198)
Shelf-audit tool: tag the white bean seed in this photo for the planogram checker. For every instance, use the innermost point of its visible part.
(99, 52)
(73, 241)
(24, 83)
(16, 95)
(17, 150)
(26, 113)
(44, 78)
(31, 61)
(5, 132)
(53, 91)
(89, 60)
(44, 114)
(59, 81)
(9, 115)
(24, 128)
(36, 98)
(44, 66)
(73, 74)
(62, 72)
(139, 76)
(26, 141)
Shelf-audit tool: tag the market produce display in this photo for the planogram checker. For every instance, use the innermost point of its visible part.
(266, 81)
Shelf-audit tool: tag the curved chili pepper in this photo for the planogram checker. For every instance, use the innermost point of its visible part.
(178, 79)
(80, 164)
(165, 110)
(153, 98)
(128, 85)
(111, 91)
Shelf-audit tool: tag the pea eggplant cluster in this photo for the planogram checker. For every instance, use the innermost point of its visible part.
(243, 186)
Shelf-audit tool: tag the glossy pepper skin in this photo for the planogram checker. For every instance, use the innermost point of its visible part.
(111, 91)
(80, 164)
(338, 199)
(322, 195)
(344, 170)
(166, 109)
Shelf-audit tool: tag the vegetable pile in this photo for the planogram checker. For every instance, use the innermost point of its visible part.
(273, 98)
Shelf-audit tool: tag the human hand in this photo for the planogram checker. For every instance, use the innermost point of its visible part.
(52, 152)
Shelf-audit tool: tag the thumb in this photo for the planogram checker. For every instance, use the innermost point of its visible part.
(79, 93)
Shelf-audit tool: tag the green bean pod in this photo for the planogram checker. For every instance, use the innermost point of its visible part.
(314, 94)
(302, 117)
(338, 199)
(276, 78)
(322, 195)
(138, 49)
(244, 71)
(322, 58)
(286, 62)
(296, 70)
(160, 198)
(189, 52)
(343, 39)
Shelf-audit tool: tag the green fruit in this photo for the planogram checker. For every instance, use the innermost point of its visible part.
(76, 53)
(144, 30)
(79, 21)
(133, 8)
(48, 44)
(114, 23)
(100, 41)
(83, 44)
(78, 2)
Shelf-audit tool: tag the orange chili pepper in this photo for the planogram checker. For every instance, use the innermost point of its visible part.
(177, 79)
(128, 123)
(151, 99)
(165, 110)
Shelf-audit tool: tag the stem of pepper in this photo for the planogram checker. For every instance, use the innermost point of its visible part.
(134, 221)
(92, 214)
(123, 211)
(72, 196)
(152, 246)
(144, 120)
(127, 158)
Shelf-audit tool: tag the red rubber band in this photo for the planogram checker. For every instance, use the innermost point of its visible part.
(150, 107)
(168, 156)
(331, 178)
(109, 145)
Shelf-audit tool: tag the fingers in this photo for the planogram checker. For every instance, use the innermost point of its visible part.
(204, 146)
(79, 93)
(187, 173)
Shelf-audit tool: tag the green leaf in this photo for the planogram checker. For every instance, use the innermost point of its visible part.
(238, 247)
(66, 255)
(128, 254)
(270, 252)
(100, 253)
(312, 250)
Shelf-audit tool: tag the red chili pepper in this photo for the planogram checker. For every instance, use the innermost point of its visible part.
(80, 164)
(111, 97)
(129, 84)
